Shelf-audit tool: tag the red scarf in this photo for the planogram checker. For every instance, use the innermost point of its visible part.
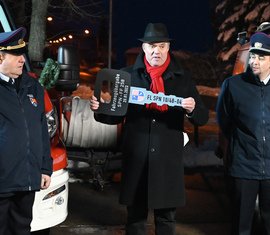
(157, 84)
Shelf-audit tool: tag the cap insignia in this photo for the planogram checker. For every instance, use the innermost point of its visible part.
(258, 45)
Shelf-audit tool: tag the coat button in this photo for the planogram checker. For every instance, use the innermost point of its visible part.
(153, 121)
(152, 150)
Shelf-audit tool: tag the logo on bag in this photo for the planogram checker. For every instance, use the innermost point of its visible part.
(33, 100)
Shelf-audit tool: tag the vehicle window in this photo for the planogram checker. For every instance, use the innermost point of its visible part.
(5, 25)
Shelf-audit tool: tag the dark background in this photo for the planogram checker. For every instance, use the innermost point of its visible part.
(188, 23)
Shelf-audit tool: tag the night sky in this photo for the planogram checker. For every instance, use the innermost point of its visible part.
(188, 22)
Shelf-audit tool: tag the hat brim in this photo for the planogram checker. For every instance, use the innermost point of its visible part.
(18, 51)
(261, 51)
(155, 39)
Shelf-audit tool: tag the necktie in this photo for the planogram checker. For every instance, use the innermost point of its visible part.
(11, 81)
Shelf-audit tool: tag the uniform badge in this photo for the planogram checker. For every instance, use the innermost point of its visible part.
(33, 100)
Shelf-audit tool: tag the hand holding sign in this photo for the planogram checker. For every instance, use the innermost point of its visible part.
(118, 84)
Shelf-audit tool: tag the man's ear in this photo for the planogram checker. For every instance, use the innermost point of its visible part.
(1, 58)
(143, 47)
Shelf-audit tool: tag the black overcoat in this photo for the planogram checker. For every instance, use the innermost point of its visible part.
(153, 170)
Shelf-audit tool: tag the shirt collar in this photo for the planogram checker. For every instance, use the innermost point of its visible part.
(265, 81)
(5, 78)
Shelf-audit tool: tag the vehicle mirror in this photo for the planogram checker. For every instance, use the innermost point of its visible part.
(242, 38)
(68, 60)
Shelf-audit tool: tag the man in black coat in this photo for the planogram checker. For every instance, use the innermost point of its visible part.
(25, 160)
(153, 171)
(243, 114)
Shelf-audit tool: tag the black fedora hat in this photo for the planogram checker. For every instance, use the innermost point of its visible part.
(12, 42)
(155, 32)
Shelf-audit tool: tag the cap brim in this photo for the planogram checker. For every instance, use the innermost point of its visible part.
(259, 51)
(18, 51)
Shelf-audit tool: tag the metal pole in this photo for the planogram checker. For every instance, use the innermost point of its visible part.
(110, 38)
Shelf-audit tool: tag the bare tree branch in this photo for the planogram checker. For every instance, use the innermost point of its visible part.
(93, 8)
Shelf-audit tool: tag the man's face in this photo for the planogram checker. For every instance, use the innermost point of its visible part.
(260, 65)
(156, 53)
(11, 65)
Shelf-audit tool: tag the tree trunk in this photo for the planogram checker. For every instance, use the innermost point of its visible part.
(37, 33)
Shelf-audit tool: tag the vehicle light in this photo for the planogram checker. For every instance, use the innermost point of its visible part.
(52, 122)
(59, 201)
(54, 193)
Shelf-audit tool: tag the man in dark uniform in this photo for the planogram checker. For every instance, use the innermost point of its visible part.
(153, 171)
(25, 160)
(243, 110)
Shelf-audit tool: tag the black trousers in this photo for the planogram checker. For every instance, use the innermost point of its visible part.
(137, 218)
(16, 213)
(244, 194)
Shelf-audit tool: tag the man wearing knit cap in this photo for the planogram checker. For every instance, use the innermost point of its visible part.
(243, 114)
(25, 160)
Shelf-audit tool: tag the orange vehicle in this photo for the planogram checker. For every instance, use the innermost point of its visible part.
(50, 206)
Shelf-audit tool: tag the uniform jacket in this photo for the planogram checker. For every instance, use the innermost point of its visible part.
(244, 117)
(153, 141)
(24, 140)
